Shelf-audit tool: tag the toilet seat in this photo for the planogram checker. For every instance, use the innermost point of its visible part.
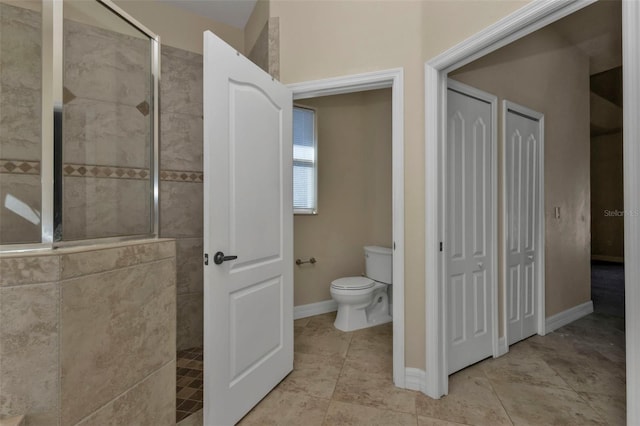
(352, 283)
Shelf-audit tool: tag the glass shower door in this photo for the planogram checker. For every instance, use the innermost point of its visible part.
(107, 126)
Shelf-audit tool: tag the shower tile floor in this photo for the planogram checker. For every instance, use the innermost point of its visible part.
(189, 382)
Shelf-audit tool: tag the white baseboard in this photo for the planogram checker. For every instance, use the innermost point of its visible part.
(503, 348)
(603, 258)
(312, 309)
(563, 318)
(415, 379)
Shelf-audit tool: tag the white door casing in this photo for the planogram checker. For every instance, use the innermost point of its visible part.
(523, 230)
(248, 213)
(470, 243)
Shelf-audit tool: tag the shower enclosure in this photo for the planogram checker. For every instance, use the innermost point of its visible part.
(78, 124)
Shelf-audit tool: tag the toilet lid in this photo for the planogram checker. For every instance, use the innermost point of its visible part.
(353, 283)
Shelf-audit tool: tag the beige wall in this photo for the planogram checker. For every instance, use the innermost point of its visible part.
(607, 232)
(180, 28)
(546, 74)
(354, 191)
(255, 25)
(320, 39)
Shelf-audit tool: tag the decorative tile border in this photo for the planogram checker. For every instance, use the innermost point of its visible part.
(20, 167)
(24, 167)
(181, 176)
(84, 170)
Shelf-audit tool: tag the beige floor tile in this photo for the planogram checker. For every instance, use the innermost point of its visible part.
(346, 378)
(345, 414)
(370, 356)
(302, 322)
(314, 375)
(381, 335)
(588, 374)
(612, 409)
(373, 390)
(322, 340)
(324, 321)
(536, 405)
(522, 368)
(287, 408)
(430, 421)
(471, 400)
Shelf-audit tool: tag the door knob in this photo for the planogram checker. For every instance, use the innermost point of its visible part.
(219, 257)
(480, 265)
(530, 257)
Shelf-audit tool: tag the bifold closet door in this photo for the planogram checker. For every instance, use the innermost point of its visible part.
(469, 230)
(523, 144)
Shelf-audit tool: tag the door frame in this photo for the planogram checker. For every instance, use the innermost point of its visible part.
(392, 78)
(493, 101)
(540, 232)
(531, 17)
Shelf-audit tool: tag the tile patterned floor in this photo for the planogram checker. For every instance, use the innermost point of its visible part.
(189, 382)
(574, 376)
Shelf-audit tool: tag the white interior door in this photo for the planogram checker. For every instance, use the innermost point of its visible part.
(470, 242)
(248, 213)
(523, 193)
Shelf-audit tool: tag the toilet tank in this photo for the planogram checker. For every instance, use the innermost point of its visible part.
(379, 263)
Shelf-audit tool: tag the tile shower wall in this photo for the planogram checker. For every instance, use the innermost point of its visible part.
(265, 52)
(181, 194)
(88, 335)
(104, 124)
(20, 112)
(106, 133)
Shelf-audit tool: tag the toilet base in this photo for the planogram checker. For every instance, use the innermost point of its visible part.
(356, 317)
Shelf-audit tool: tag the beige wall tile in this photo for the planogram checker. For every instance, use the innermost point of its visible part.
(150, 402)
(181, 209)
(259, 54)
(99, 207)
(20, 47)
(190, 320)
(274, 47)
(181, 86)
(20, 123)
(105, 65)
(25, 189)
(93, 261)
(181, 144)
(15, 270)
(116, 328)
(189, 261)
(29, 352)
(106, 133)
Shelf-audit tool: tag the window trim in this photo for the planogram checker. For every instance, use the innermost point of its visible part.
(310, 211)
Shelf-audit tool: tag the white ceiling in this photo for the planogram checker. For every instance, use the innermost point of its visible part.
(231, 12)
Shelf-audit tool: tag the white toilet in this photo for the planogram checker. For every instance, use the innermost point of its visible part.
(364, 301)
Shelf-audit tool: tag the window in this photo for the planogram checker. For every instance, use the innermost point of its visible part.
(305, 166)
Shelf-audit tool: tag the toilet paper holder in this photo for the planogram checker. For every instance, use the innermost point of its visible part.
(301, 262)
